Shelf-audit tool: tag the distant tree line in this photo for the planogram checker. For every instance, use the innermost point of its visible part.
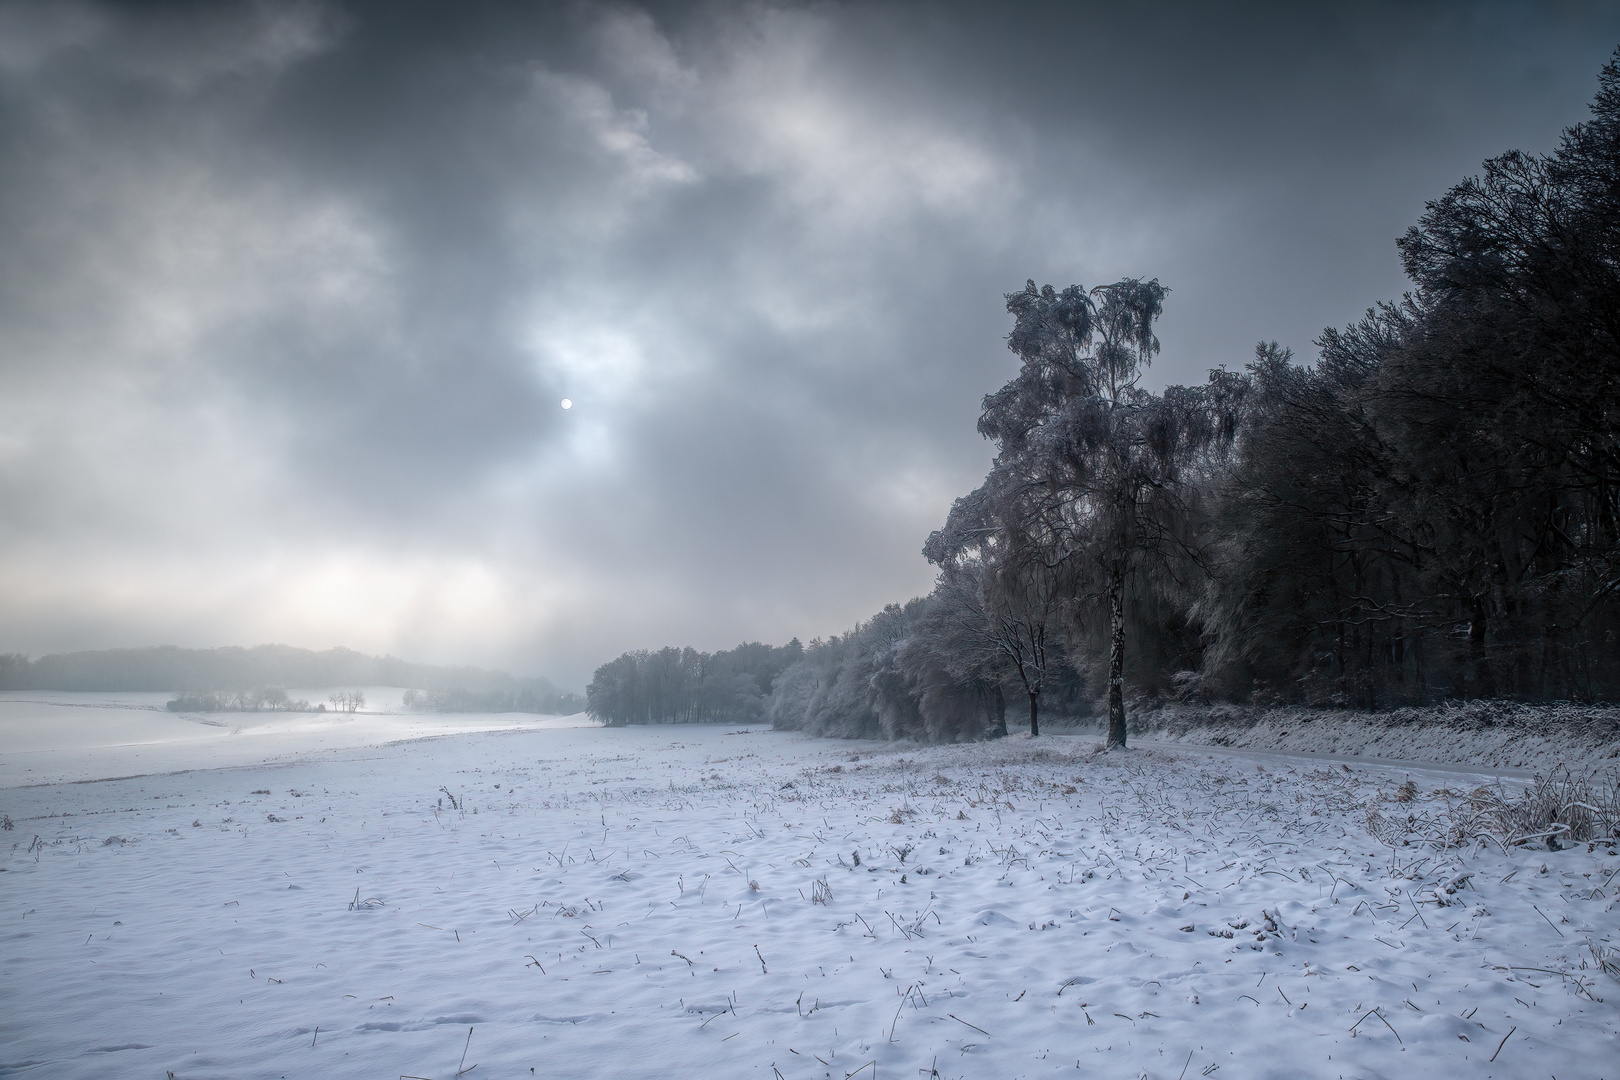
(536, 696)
(685, 686)
(269, 698)
(541, 697)
(226, 670)
(1431, 510)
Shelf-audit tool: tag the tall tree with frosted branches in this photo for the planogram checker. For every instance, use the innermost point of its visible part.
(1100, 466)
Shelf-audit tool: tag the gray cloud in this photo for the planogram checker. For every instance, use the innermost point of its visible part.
(290, 292)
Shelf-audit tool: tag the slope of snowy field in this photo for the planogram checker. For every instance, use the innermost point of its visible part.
(1487, 734)
(720, 902)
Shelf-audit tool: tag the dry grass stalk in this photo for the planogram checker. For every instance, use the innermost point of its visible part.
(1605, 959)
(1556, 809)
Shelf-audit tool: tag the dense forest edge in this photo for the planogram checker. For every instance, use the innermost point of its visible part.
(1429, 513)
(255, 678)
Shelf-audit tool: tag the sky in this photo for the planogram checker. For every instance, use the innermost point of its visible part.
(291, 293)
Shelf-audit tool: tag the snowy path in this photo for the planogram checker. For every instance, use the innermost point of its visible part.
(1306, 759)
(642, 903)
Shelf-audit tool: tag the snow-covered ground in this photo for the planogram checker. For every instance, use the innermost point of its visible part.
(721, 902)
(50, 736)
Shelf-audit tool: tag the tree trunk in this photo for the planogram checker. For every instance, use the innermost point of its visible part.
(1116, 658)
(1034, 713)
(999, 705)
(1478, 662)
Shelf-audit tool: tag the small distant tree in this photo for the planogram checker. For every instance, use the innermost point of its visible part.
(1000, 588)
(348, 701)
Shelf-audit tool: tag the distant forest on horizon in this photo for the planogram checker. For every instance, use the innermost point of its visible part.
(170, 669)
(1430, 511)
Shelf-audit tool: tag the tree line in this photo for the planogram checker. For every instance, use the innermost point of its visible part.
(264, 698)
(210, 680)
(1430, 510)
(540, 697)
(171, 668)
(685, 686)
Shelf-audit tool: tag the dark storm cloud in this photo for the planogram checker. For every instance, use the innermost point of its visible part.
(290, 292)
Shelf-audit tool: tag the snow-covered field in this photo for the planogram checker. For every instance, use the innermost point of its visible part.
(720, 902)
(49, 736)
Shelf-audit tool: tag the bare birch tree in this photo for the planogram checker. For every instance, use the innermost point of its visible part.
(1098, 466)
